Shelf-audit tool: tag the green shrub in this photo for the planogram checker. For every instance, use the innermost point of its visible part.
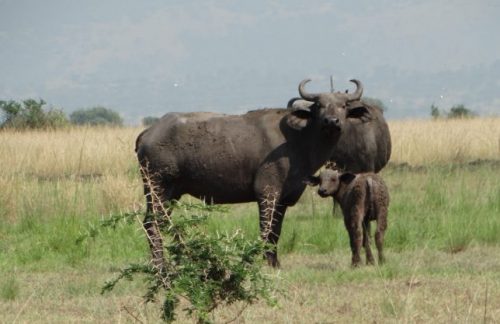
(30, 114)
(150, 120)
(207, 270)
(460, 111)
(457, 111)
(375, 102)
(435, 113)
(96, 116)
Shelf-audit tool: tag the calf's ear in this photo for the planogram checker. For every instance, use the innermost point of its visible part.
(298, 119)
(312, 181)
(347, 177)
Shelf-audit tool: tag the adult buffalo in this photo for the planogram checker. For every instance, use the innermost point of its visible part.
(263, 156)
(364, 144)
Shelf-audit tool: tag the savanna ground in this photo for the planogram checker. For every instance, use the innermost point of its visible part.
(443, 240)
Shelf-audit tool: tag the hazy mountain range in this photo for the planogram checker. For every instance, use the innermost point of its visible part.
(149, 58)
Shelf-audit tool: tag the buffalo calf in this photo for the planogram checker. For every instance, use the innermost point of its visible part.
(362, 197)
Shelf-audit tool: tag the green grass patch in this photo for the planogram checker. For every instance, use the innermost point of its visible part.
(438, 207)
(9, 288)
(443, 229)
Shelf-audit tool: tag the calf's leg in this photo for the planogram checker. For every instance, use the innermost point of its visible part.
(366, 242)
(354, 228)
(379, 239)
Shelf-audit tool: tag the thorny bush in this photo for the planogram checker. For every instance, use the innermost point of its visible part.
(205, 269)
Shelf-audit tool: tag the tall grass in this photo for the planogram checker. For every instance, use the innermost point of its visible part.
(96, 151)
(443, 141)
(80, 152)
(87, 151)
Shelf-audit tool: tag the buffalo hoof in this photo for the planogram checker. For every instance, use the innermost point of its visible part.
(355, 263)
(273, 263)
(272, 260)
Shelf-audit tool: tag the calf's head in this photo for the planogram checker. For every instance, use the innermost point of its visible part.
(330, 181)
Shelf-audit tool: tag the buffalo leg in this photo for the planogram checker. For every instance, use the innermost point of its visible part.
(155, 241)
(271, 219)
(156, 216)
(152, 223)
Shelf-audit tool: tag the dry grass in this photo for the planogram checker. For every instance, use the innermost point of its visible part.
(86, 152)
(424, 142)
(76, 170)
(78, 152)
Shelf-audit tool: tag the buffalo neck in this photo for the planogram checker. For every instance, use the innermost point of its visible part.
(310, 147)
(321, 150)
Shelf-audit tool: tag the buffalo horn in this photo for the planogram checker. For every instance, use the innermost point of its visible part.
(304, 94)
(356, 95)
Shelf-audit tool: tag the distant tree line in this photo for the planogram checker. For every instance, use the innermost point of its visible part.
(150, 120)
(375, 102)
(96, 116)
(457, 111)
(31, 114)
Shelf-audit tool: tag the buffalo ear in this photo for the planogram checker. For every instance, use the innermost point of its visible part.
(360, 112)
(298, 119)
(299, 103)
(312, 181)
(347, 177)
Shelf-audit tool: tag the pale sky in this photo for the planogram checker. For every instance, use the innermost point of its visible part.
(145, 58)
